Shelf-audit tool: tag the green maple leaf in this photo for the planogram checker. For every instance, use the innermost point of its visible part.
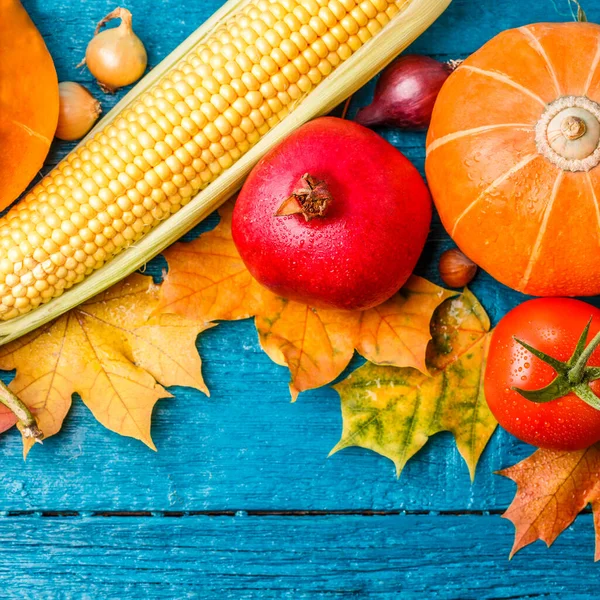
(393, 411)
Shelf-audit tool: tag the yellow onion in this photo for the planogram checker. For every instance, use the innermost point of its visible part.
(78, 111)
(116, 57)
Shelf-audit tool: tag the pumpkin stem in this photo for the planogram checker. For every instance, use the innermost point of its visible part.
(568, 133)
(573, 127)
(311, 198)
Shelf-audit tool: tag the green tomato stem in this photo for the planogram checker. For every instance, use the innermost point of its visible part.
(571, 376)
(577, 372)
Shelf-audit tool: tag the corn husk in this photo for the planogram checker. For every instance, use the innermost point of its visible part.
(373, 56)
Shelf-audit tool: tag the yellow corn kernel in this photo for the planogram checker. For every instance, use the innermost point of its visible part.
(193, 123)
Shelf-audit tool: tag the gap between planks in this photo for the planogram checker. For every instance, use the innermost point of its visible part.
(65, 514)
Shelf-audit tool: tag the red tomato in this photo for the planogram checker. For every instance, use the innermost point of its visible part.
(552, 326)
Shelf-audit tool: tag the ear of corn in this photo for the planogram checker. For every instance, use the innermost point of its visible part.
(253, 73)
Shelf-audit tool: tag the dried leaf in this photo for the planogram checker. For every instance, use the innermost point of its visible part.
(393, 411)
(397, 331)
(552, 488)
(315, 345)
(207, 281)
(111, 351)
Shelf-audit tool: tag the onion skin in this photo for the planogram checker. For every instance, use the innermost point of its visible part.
(405, 93)
(78, 111)
(116, 57)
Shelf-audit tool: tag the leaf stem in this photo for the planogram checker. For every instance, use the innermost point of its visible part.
(27, 420)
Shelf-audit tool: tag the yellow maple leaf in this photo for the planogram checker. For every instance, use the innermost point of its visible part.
(394, 411)
(208, 281)
(113, 352)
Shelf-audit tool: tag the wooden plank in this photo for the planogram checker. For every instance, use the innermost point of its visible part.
(247, 446)
(465, 26)
(289, 557)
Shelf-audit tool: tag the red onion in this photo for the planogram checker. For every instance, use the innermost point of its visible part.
(405, 93)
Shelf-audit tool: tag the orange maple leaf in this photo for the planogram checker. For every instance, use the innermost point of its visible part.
(553, 487)
(397, 332)
(208, 281)
(112, 352)
(316, 345)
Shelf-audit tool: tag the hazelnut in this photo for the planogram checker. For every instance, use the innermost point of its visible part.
(456, 270)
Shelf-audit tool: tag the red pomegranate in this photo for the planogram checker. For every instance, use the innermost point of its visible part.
(334, 216)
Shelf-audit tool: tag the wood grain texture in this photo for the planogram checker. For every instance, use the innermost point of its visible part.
(235, 558)
(245, 449)
(248, 449)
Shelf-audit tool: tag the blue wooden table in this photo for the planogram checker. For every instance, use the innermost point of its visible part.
(246, 503)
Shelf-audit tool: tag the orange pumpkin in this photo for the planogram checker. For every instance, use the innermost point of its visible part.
(513, 157)
(28, 100)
